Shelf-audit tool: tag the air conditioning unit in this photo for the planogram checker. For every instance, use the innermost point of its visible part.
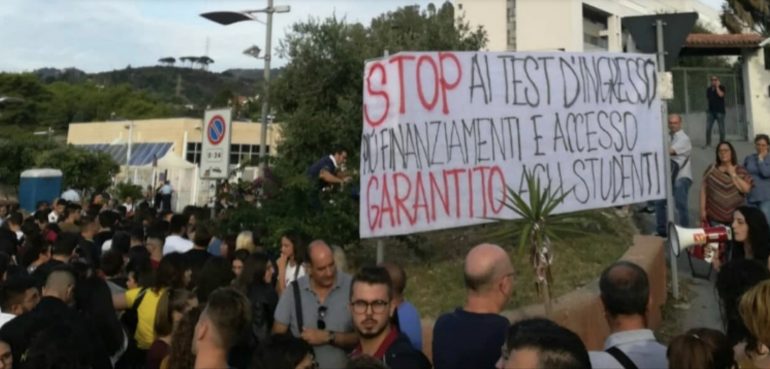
(250, 173)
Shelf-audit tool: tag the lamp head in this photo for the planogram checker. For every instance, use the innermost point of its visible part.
(253, 51)
(227, 18)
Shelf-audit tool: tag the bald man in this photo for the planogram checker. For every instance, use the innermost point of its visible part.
(681, 177)
(625, 295)
(61, 285)
(471, 336)
(326, 322)
(55, 309)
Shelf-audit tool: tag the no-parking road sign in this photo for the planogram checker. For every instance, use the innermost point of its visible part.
(215, 151)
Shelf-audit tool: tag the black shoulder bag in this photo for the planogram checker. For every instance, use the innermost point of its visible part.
(130, 317)
(621, 357)
(297, 305)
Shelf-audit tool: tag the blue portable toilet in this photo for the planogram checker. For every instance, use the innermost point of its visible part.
(38, 185)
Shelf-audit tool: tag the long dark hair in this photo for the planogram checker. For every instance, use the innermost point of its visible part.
(216, 272)
(172, 300)
(735, 278)
(254, 269)
(94, 300)
(733, 158)
(180, 354)
(759, 232)
(299, 243)
(171, 272)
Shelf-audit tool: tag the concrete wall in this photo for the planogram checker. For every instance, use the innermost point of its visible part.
(557, 24)
(756, 81)
(492, 15)
(549, 25)
(581, 310)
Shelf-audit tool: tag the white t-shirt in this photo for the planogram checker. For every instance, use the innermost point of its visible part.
(5, 318)
(178, 244)
(291, 271)
(71, 196)
(683, 147)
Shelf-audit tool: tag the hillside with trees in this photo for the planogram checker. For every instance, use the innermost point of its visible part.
(54, 98)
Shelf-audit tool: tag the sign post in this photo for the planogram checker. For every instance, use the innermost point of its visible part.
(215, 150)
(664, 35)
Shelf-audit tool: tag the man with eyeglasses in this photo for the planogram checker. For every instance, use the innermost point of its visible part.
(371, 302)
(324, 319)
(715, 94)
(471, 336)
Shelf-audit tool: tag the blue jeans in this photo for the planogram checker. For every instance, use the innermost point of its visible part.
(720, 119)
(681, 191)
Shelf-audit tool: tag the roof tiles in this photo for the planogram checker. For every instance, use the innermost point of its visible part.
(741, 40)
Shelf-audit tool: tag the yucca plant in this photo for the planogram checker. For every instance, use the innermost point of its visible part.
(535, 229)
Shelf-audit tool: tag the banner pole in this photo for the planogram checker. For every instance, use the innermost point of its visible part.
(667, 157)
(380, 241)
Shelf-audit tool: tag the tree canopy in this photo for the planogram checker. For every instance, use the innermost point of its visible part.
(60, 103)
(318, 96)
(740, 16)
(82, 169)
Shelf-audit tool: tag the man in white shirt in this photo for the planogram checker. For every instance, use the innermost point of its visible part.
(56, 212)
(71, 196)
(165, 195)
(175, 242)
(625, 295)
(681, 167)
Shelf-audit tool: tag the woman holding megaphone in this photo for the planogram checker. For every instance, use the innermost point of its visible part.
(751, 233)
(751, 236)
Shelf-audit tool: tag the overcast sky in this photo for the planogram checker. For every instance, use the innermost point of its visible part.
(102, 35)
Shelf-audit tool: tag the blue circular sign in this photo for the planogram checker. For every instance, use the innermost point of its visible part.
(215, 132)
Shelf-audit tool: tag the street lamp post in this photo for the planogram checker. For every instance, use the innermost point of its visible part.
(130, 128)
(226, 18)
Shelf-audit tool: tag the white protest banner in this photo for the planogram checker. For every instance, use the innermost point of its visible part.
(445, 133)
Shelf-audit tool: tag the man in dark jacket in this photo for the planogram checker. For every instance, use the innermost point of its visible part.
(54, 310)
(371, 295)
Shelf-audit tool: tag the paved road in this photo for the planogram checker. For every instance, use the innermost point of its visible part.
(703, 309)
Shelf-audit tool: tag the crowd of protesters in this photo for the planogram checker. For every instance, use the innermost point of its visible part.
(109, 284)
(97, 286)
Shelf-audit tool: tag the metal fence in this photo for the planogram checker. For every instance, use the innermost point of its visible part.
(690, 84)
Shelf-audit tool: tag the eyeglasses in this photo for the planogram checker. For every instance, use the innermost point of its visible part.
(321, 323)
(361, 306)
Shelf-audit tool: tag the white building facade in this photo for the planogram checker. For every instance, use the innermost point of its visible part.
(568, 25)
